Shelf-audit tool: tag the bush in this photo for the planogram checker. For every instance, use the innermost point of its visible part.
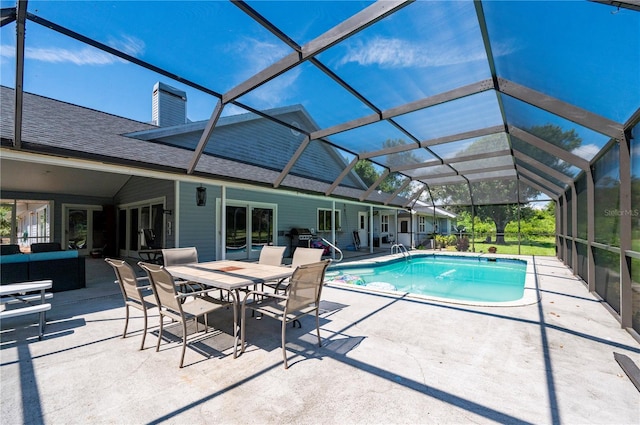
(441, 241)
(462, 244)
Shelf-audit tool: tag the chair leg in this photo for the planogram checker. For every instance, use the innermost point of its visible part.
(235, 332)
(284, 349)
(184, 341)
(318, 327)
(144, 334)
(243, 318)
(126, 320)
(159, 333)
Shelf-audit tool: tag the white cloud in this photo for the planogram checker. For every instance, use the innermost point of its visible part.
(129, 45)
(83, 56)
(257, 55)
(586, 151)
(397, 53)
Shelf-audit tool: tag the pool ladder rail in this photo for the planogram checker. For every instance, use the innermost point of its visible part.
(398, 248)
(335, 250)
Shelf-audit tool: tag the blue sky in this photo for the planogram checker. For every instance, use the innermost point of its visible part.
(425, 49)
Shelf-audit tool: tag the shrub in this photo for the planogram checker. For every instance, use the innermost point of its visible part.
(462, 244)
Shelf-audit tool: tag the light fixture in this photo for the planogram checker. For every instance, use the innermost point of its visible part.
(167, 212)
(201, 196)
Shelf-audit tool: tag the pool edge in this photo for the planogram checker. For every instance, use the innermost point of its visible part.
(530, 296)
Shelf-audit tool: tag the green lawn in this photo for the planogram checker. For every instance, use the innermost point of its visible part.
(544, 246)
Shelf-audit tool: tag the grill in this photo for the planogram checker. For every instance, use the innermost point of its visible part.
(300, 237)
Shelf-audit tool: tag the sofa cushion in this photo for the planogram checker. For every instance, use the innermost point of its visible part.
(9, 249)
(46, 247)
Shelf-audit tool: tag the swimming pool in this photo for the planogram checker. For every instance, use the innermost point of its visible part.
(465, 278)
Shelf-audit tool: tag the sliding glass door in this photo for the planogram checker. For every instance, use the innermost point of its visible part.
(140, 226)
(249, 226)
(83, 227)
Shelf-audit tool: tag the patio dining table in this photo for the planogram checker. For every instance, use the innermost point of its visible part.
(230, 275)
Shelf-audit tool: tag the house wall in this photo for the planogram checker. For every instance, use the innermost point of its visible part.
(294, 211)
(197, 226)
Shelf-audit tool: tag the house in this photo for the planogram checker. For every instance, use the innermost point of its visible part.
(95, 180)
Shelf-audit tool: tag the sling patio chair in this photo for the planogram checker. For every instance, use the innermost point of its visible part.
(301, 297)
(301, 256)
(271, 255)
(132, 292)
(179, 257)
(171, 304)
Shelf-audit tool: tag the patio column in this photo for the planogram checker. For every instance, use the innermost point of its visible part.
(591, 231)
(564, 227)
(223, 222)
(333, 228)
(558, 228)
(371, 229)
(626, 210)
(574, 228)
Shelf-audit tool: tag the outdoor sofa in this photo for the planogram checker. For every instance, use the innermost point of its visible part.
(46, 261)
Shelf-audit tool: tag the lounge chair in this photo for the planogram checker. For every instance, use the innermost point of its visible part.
(302, 297)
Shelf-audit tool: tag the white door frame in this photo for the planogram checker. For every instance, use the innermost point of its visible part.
(250, 206)
(127, 251)
(363, 228)
(65, 225)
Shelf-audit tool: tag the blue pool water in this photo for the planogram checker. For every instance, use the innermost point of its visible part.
(447, 276)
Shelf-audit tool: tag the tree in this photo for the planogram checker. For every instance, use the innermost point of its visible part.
(5, 221)
(367, 172)
(496, 199)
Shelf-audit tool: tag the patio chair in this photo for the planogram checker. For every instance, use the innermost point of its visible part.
(302, 297)
(170, 303)
(132, 292)
(182, 256)
(301, 256)
(271, 255)
(178, 256)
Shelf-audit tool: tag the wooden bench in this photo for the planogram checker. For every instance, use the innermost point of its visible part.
(22, 293)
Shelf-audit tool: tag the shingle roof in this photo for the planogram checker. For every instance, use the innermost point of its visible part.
(52, 126)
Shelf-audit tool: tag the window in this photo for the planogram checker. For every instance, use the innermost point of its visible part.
(324, 220)
(422, 224)
(25, 222)
(384, 224)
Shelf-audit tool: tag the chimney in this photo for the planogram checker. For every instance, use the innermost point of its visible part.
(169, 105)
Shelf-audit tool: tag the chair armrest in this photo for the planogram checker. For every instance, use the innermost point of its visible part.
(263, 294)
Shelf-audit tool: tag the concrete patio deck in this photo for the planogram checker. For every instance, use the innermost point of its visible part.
(385, 359)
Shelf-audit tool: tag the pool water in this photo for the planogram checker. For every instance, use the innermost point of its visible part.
(447, 276)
